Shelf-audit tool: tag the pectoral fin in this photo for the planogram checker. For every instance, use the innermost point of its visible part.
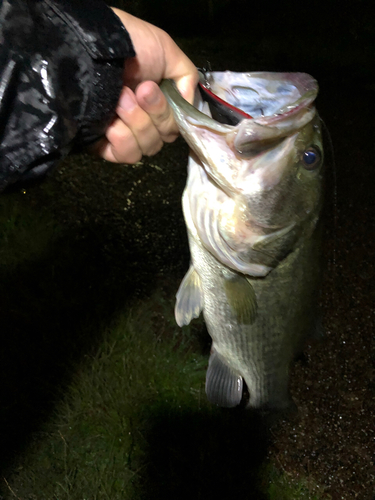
(189, 298)
(241, 298)
(223, 385)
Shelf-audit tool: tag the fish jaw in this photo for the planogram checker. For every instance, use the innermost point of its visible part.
(253, 136)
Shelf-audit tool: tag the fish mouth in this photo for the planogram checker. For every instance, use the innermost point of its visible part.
(283, 105)
(221, 110)
(295, 92)
(229, 108)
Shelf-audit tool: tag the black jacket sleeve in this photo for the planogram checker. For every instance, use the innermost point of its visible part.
(61, 67)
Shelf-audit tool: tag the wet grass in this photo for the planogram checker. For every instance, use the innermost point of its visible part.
(103, 401)
(94, 447)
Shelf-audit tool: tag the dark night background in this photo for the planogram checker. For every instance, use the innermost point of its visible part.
(332, 437)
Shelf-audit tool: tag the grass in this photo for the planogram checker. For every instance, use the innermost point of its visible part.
(137, 394)
(285, 487)
(103, 403)
(94, 446)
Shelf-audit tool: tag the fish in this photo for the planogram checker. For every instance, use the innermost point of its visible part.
(252, 206)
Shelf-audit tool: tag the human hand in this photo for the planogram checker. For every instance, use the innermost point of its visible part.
(144, 119)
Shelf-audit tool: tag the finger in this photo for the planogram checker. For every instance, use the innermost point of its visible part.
(139, 122)
(120, 145)
(152, 100)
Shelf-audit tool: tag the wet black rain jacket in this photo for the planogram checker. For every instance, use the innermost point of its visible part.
(61, 66)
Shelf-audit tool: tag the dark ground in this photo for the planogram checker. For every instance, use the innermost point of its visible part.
(130, 221)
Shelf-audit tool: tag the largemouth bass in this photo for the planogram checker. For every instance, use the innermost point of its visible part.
(251, 206)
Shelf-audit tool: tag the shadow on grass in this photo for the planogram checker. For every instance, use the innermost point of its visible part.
(202, 455)
(53, 310)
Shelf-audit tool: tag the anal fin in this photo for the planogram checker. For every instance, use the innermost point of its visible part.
(223, 385)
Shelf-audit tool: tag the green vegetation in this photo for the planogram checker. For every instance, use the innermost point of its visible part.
(93, 447)
(285, 487)
(101, 401)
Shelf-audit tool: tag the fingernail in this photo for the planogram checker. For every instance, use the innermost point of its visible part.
(127, 100)
(152, 98)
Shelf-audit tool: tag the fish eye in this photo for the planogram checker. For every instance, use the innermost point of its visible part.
(311, 157)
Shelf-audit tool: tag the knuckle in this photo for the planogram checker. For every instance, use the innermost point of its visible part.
(164, 118)
(171, 137)
(154, 148)
(133, 157)
(144, 127)
(124, 145)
